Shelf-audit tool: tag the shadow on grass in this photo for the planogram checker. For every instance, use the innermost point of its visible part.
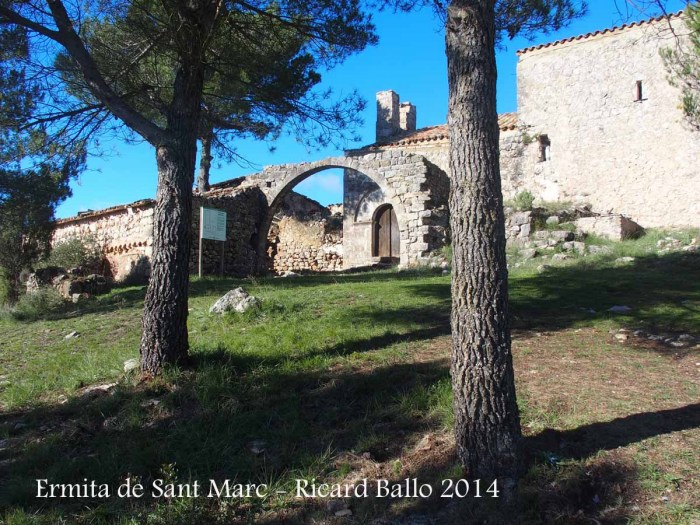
(586, 440)
(662, 292)
(204, 422)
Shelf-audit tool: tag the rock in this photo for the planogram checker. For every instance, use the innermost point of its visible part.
(131, 364)
(289, 274)
(691, 248)
(562, 235)
(530, 253)
(72, 335)
(619, 309)
(98, 389)
(599, 250)
(541, 235)
(257, 447)
(621, 337)
(624, 260)
(561, 256)
(614, 227)
(552, 220)
(521, 217)
(237, 300)
(640, 333)
(344, 512)
(543, 268)
(148, 403)
(686, 338)
(425, 444)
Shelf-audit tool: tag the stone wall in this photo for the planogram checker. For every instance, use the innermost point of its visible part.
(244, 210)
(634, 157)
(403, 178)
(125, 234)
(305, 236)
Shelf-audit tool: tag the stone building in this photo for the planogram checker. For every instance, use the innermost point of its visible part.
(597, 122)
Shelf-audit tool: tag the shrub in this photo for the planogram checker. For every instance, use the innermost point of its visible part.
(78, 251)
(447, 252)
(42, 303)
(524, 200)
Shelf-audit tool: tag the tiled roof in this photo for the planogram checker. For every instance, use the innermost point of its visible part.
(506, 121)
(586, 36)
(143, 203)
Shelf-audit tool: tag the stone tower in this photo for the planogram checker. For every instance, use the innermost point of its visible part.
(393, 117)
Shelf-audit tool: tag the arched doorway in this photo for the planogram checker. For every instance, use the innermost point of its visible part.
(385, 235)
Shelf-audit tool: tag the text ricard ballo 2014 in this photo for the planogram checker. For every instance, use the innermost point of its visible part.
(303, 488)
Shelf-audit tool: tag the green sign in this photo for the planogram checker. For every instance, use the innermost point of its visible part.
(213, 224)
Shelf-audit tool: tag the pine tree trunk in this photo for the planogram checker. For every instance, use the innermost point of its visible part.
(205, 162)
(487, 425)
(164, 339)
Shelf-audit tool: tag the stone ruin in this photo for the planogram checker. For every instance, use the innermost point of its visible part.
(597, 125)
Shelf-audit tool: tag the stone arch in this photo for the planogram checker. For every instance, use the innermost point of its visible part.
(402, 177)
(282, 186)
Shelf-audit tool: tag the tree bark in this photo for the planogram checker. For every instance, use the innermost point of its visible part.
(205, 162)
(487, 425)
(164, 339)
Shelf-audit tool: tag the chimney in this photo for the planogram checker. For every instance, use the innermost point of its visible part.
(388, 117)
(408, 116)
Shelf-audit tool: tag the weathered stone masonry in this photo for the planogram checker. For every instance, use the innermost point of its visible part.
(598, 123)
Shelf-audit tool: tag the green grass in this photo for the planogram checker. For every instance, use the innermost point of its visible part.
(340, 376)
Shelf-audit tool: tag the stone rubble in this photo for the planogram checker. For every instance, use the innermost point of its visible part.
(237, 300)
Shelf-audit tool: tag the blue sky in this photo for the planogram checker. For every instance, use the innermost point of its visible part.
(410, 59)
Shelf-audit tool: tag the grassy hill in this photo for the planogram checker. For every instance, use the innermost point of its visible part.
(339, 378)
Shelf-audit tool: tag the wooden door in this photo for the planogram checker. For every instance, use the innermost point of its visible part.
(386, 235)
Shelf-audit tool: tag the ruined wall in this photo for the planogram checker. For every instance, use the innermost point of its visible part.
(520, 167)
(305, 236)
(244, 211)
(125, 234)
(314, 245)
(636, 157)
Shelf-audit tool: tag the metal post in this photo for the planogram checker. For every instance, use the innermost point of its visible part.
(223, 251)
(201, 225)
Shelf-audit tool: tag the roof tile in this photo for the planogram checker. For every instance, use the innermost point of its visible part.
(615, 29)
(506, 121)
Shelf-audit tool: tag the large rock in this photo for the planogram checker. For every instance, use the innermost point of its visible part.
(613, 227)
(237, 300)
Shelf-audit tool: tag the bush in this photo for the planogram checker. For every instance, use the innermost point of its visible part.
(76, 252)
(523, 201)
(42, 303)
(447, 252)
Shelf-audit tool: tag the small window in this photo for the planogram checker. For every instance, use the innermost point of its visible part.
(544, 148)
(639, 91)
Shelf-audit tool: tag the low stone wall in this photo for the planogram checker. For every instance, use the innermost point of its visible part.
(313, 245)
(125, 234)
(305, 236)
